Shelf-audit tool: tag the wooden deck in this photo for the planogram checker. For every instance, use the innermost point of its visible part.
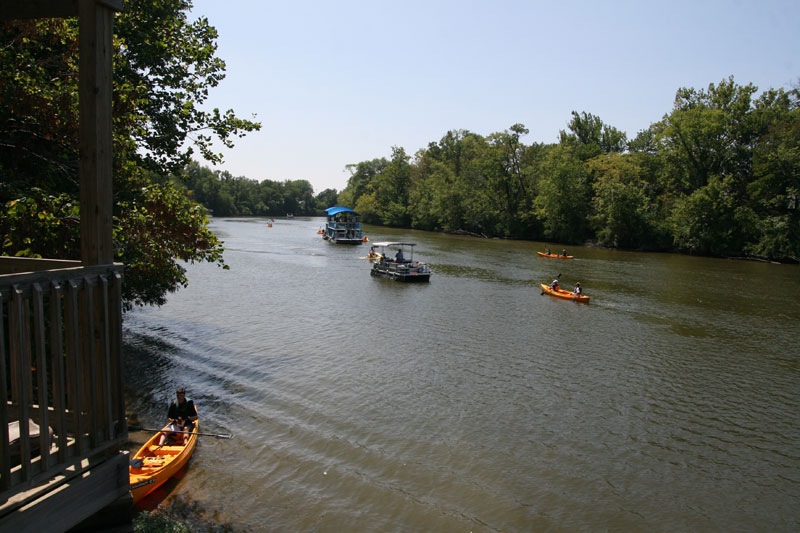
(60, 353)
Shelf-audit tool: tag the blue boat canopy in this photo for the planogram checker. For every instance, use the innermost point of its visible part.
(336, 210)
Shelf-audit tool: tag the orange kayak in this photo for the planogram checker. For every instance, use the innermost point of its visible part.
(155, 464)
(567, 295)
(555, 256)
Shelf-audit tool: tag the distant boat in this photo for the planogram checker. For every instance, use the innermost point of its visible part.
(373, 254)
(400, 268)
(289, 215)
(554, 256)
(343, 226)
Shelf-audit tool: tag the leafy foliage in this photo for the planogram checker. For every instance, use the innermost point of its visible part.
(624, 213)
(225, 195)
(164, 67)
(717, 175)
(150, 247)
(41, 221)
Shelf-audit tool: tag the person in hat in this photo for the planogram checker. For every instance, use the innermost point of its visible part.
(182, 415)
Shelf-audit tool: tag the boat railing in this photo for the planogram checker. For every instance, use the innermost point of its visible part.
(344, 226)
(61, 366)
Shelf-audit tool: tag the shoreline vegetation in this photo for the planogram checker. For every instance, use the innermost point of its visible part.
(719, 175)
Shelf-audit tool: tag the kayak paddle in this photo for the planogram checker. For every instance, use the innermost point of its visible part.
(217, 435)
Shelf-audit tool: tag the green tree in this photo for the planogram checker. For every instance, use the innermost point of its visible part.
(591, 137)
(717, 146)
(388, 197)
(150, 247)
(564, 196)
(164, 67)
(709, 133)
(624, 215)
(709, 221)
(507, 181)
(360, 183)
(324, 200)
(774, 192)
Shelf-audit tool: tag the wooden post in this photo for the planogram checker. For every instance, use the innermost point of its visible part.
(96, 50)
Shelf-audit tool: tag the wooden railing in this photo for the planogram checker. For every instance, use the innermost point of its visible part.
(61, 369)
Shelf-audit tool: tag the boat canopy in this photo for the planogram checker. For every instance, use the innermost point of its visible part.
(336, 210)
(384, 244)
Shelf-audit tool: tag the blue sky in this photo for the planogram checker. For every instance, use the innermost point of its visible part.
(341, 82)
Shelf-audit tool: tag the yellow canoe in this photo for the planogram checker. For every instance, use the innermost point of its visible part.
(153, 464)
(567, 295)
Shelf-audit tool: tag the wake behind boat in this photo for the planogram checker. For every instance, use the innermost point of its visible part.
(399, 268)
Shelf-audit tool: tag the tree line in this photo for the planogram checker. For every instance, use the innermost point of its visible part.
(718, 175)
(225, 195)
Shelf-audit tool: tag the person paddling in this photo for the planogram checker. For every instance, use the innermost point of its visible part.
(182, 415)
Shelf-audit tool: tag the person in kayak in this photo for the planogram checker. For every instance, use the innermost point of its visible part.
(182, 415)
(547, 251)
(564, 252)
(577, 291)
(554, 285)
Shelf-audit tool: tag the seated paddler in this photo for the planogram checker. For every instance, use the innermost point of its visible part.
(182, 416)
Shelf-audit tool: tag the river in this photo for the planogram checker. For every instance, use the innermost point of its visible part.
(670, 402)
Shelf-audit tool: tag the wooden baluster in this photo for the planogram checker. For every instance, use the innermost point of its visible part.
(37, 296)
(73, 364)
(115, 317)
(57, 369)
(5, 460)
(20, 378)
(104, 375)
(89, 315)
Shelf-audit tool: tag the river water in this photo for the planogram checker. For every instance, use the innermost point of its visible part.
(671, 402)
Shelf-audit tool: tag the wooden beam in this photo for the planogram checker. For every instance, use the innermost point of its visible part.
(17, 265)
(35, 9)
(72, 502)
(96, 50)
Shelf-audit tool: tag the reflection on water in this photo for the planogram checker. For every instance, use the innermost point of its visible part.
(474, 403)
